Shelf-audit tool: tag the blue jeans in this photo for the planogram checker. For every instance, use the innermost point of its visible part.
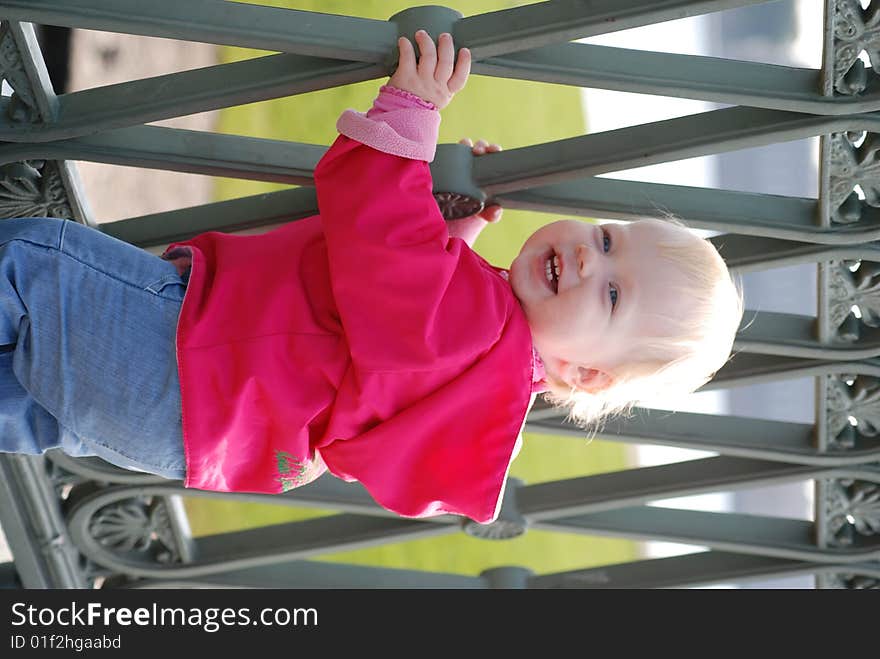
(87, 347)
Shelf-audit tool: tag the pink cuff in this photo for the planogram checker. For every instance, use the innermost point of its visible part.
(399, 123)
(392, 98)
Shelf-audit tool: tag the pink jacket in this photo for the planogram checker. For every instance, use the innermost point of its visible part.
(364, 340)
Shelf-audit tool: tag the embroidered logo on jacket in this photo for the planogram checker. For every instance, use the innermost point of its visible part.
(293, 472)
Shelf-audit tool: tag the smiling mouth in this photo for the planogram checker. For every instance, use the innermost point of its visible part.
(551, 271)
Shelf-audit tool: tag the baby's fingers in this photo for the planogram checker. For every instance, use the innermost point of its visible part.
(462, 71)
(427, 54)
(445, 58)
(492, 213)
(481, 147)
(406, 62)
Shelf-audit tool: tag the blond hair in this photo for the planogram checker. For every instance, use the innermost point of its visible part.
(684, 357)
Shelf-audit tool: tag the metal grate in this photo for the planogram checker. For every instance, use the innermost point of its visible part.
(839, 346)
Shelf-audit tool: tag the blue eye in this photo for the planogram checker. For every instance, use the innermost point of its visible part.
(606, 241)
(613, 293)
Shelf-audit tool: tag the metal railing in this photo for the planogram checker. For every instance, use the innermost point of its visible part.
(73, 521)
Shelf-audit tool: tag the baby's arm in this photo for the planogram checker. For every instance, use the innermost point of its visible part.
(392, 266)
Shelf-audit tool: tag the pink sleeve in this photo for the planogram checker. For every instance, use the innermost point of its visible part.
(399, 123)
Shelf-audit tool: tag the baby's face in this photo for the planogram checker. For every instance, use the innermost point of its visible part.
(590, 292)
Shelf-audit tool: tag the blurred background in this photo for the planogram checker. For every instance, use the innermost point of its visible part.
(513, 114)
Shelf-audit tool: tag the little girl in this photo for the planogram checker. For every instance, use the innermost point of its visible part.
(366, 340)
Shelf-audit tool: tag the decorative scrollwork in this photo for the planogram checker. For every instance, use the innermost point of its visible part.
(852, 166)
(33, 189)
(455, 206)
(23, 107)
(62, 480)
(139, 525)
(852, 582)
(856, 30)
(851, 507)
(853, 410)
(848, 289)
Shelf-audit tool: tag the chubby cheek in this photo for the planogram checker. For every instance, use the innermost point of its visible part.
(519, 280)
(557, 322)
(543, 322)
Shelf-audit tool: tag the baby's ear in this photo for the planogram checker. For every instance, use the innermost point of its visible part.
(589, 380)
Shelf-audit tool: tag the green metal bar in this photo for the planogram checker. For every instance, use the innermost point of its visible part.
(39, 84)
(189, 92)
(233, 156)
(744, 437)
(319, 574)
(217, 22)
(688, 571)
(628, 487)
(772, 216)
(749, 253)
(323, 535)
(197, 152)
(793, 335)
(345, 37)
(748, 534)
(711, 79)
(543, 23)
(233, 215)
(745, 369)
(691, 136)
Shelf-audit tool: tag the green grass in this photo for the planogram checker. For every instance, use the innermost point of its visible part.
(513, 114)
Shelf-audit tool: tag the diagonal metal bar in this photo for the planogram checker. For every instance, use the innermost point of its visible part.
(628, 487)
(746, 368)
(750, 253)
(543, 23)
(197, 152)
(39, 84)
(763, 439)
(324, 535)
(711, 79)
(217, 22)
(747, 534)
(497, 174)
(793, 335)
(345, 37)
(319, 574)
(188, 92)
(688, 571)
(771, 216)
(707, 133)
(233, 215)
(295, 540)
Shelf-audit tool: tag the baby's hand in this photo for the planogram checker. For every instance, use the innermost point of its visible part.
(437, 77)
(492, 212)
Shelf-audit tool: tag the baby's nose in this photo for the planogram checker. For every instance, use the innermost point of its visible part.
(584, 259)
